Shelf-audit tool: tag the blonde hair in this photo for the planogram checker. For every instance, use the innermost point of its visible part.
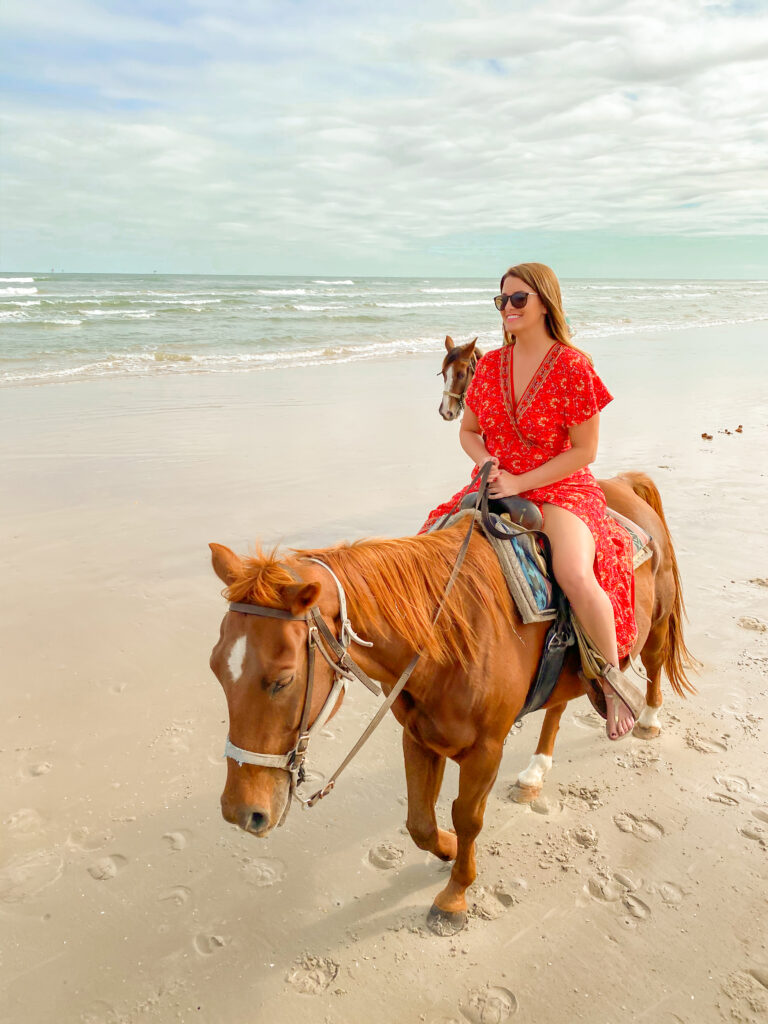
(543, 280)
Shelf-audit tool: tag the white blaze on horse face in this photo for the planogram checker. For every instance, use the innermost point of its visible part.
(449, 408)
(534, 774)
(649, 717)
(236, 658)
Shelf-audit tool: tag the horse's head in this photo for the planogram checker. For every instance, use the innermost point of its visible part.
(261, 662)
(457, 370)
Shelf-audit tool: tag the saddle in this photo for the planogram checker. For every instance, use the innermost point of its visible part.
(513, 528)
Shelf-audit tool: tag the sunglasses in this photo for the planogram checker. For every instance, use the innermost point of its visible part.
(518, 300)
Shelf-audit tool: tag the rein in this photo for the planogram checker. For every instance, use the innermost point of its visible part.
(319, 636)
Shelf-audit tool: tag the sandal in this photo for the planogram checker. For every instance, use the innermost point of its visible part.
(624, 691)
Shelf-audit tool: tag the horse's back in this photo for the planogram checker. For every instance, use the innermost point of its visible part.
(623, 498)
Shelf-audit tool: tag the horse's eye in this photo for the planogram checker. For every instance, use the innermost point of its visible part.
(279, 684)
(461, 374)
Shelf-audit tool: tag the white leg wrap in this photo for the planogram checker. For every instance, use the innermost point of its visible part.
(534, 774)
(649, 717)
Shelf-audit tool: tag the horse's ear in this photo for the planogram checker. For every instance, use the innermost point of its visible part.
(470, 346)
(448, 342)
(301, 596)
(478, 353)
(225, 563)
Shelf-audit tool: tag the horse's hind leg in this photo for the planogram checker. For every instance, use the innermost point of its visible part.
(424, 776)
(448, 913)
(529, 782)
(652, 657)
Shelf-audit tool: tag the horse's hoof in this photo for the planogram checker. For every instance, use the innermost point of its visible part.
(646, 732)
(444, 922)
(524, 794)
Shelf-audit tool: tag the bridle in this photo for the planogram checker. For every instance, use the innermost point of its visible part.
(321, 639)
(320, 636)
(461, 397)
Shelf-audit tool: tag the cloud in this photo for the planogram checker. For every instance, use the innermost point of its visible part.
(251, 133)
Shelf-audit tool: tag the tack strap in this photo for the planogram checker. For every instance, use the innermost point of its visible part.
(265, 612)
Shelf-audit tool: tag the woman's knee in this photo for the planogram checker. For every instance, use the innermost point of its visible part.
(576, 581)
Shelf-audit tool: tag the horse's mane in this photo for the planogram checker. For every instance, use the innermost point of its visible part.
(402, 582)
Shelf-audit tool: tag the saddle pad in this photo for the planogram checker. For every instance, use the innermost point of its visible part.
(524, 566)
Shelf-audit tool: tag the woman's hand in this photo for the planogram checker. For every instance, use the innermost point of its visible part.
(503, 485)
(494, 473)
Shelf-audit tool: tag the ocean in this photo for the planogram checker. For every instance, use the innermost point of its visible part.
(61, 327)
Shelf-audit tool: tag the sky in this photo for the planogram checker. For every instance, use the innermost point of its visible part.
(605, 137)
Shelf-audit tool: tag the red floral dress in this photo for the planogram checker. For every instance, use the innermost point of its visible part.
(564, 392)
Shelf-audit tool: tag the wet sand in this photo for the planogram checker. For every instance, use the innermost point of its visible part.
(634, 889)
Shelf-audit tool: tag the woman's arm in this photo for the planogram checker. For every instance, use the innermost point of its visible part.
(582, 452)
(471, 440)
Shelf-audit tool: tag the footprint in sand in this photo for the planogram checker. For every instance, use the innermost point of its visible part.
(509, 891)
(263, 871)
(23, 878)
(85, 838)
(177, 840)
(644, 828)
(705, 744)
(386, 855)
(312, 975)
(543, 805)
(587, 719)
(747, 991)
(107, 867)
(584, 836)
(733, 783)
(176, 896)
(206, 944)
(723, 798)
(668, 893)
(635, 906)
(41, 768)
(605, 889)
(761, 814)
(759, 833)
(489, 1005)
(24, 822)
(487, 905)
(630, 879)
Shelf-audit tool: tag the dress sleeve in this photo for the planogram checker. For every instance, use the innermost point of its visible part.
(586, 393)
(474, 390)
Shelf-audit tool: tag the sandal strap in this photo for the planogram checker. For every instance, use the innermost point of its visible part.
(625, 689)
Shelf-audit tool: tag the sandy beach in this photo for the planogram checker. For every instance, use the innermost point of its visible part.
(633, 889)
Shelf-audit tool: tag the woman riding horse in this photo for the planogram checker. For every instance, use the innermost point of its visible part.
(533, 411)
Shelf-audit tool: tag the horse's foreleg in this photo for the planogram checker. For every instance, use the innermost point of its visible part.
(424, 776)
(530, 781)
(448, 913)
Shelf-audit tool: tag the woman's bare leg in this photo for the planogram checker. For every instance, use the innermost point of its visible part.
(573, 556)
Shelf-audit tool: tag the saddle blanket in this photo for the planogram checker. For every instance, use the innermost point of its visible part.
(525, 568)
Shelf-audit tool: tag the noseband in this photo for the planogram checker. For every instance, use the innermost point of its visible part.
(319, 637)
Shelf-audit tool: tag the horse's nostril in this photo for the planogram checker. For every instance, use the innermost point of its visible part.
(257, 820)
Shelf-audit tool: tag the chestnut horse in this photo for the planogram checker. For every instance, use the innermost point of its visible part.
(457, 370)
(478, 660)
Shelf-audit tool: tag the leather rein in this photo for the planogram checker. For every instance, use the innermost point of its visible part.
(320, 637)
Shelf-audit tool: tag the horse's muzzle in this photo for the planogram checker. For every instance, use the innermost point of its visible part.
(255, 820)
